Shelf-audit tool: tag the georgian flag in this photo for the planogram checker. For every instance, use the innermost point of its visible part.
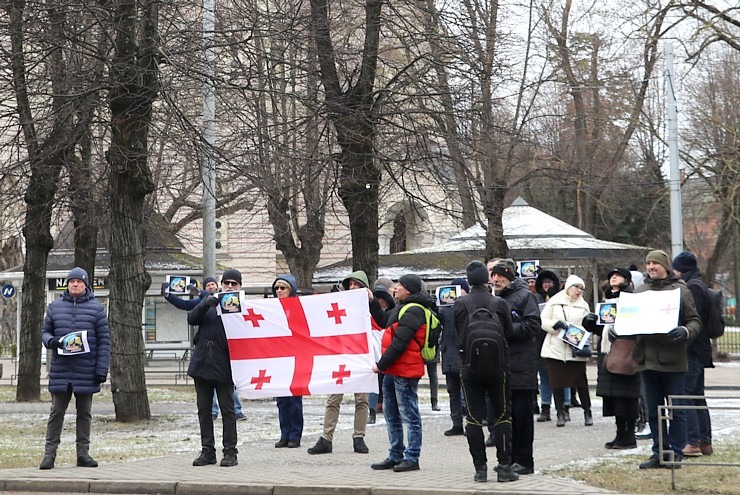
(309, 345)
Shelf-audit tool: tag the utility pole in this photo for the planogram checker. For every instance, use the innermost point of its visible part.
(208, 163)
(675, 179)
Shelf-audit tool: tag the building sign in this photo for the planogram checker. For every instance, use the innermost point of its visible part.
(60, 284)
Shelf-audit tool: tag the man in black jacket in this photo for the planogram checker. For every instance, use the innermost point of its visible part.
(525, 317)
(210, 368)
(698, 422)
(476, 387)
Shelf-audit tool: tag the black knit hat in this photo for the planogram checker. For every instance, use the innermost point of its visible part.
(477, 273)
(411, 282)
(232, 274)
(685, 262)
(80, 274)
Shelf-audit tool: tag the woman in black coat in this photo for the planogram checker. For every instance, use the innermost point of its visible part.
(620, 393)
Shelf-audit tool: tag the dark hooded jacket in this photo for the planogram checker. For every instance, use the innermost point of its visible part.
(701, 347)
(290, 280)
(523, 350)
(66, 315)
(210, 359)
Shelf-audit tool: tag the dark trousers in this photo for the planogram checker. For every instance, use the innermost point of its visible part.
(658, 386)
(454, 390)
(583, 395)
(433, 379)
(59, 404)
(204, 398)
(475, 390)
(522, 416)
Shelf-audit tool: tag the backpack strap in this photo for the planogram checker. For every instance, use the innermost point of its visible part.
(427, 314)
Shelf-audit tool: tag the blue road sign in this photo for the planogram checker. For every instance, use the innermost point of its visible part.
(8, 291)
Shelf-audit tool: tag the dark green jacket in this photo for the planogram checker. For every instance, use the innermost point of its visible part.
(655, 351)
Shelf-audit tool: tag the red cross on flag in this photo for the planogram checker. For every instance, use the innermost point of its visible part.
(308, 345)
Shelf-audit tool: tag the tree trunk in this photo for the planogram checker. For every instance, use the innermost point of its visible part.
(134, 88)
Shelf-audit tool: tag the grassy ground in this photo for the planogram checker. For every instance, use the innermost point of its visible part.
(620, 473)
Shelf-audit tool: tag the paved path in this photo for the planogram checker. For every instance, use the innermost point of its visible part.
(446, 467)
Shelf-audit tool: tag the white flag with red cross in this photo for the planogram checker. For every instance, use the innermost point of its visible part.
(309, 345)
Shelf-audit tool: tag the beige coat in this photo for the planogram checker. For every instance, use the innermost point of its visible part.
(561, 307)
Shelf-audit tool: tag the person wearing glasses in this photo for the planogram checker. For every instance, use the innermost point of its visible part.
(210, 286)
(210, 368)
(564, 367)
(290, 409)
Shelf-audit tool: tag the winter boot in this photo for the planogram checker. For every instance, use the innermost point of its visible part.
(435, 405)
(481, 474)
(321, 447)
(505, 473)
(566, 413)
(618, 437)
(206, 457)
(545, 416)
(47, 462)
(360, 446)
(229, 458)
(588, 418)
(628, 440)
(84, 460)
(561, 418)
(371, 417)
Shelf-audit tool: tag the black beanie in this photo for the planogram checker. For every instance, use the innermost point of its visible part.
(232, 274)
(209, 279)
(685, 262)
(477, 273)
(411, 282)
(621, 271)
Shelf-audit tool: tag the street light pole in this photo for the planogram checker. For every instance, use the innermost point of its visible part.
(208, 164)
(675, 179)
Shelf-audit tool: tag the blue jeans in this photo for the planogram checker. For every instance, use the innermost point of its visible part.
(698, 422)
(401, 406)
(658, 386)
(290, 415)
(237, 405)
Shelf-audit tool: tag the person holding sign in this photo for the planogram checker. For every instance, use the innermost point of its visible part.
(563, 314)
(210, 368)
(76, 328)
(663, 360)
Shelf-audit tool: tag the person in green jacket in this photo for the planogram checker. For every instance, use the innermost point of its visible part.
(663, 360)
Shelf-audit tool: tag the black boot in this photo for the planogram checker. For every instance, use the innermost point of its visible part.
(618, 437)
(566, 413)
(561, 418)
(490, 441)
(229, 458)
(321, 447)
(359, 445)
(588, 418)
(628, 440)
(481, 474)
(371, 417)
(47, 462)
(505, 473)
(435, 406)
(206, 457)
(574, 398)
(545, 416)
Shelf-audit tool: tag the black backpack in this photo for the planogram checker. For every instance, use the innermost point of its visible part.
(714, 321)
(483, 347)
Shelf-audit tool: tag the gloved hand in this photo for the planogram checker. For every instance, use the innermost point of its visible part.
(100, 378)
(55, 344)
(560, 325)
(612, 335)
(193, 290)
(514, 316)
(590, 323)
(163, 290)
(679, 335)
(212, 301)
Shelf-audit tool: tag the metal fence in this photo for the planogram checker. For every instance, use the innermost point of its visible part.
(729, 343)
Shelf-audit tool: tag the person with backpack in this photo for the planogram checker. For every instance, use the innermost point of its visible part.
(354, 281)
(564, 367)
(403, 365)
(663, 360)
(484, 325)
(698, 421)
(525, 318)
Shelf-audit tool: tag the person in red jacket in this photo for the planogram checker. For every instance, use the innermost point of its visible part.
(403, 366)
